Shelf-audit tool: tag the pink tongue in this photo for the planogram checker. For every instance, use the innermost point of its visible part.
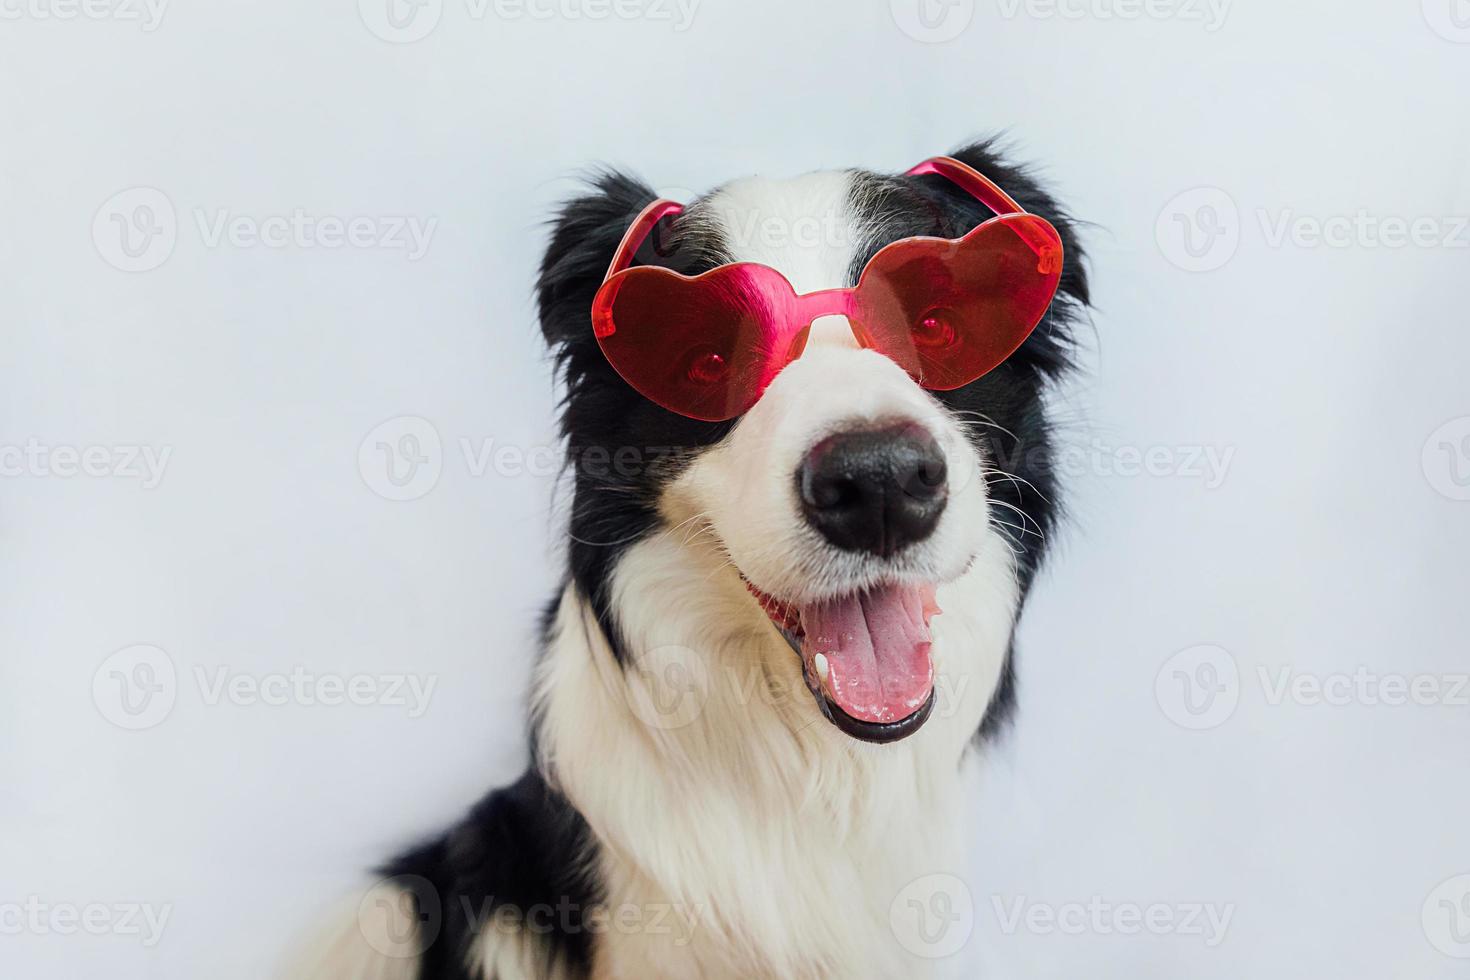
(877, 649)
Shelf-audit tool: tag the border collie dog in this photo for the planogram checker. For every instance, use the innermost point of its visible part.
(702, 802)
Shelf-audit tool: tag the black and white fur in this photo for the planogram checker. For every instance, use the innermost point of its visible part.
(766, 842)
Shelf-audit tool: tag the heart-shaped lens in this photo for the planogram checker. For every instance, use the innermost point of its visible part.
(704, 347)
(950, 311)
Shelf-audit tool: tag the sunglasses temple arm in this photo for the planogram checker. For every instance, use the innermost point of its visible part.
(972, 181)
(638, 232)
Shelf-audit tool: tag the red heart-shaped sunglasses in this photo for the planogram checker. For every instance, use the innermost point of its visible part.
(945, 310)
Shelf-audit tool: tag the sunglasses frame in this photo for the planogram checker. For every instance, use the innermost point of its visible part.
(805, 308)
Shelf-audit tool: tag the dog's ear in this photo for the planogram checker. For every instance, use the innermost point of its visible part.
(585, 234)
(1020, 183)
(1049, 348)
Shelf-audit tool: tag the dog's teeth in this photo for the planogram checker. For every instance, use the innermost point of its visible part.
(820, 662)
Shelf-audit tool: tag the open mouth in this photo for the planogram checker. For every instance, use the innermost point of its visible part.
(865, 656)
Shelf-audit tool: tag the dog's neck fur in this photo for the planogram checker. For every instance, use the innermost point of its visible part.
(769, 843)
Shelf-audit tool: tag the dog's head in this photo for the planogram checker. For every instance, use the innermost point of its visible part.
(848, 494)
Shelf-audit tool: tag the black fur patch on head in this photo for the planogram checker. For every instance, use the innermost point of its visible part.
(621, 447)
(1004, 411)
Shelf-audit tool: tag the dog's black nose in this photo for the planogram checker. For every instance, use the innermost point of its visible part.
(876, 490)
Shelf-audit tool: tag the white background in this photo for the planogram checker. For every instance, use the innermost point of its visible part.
(1334, 541)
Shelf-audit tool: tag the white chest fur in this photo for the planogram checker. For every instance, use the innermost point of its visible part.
(740, 834)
